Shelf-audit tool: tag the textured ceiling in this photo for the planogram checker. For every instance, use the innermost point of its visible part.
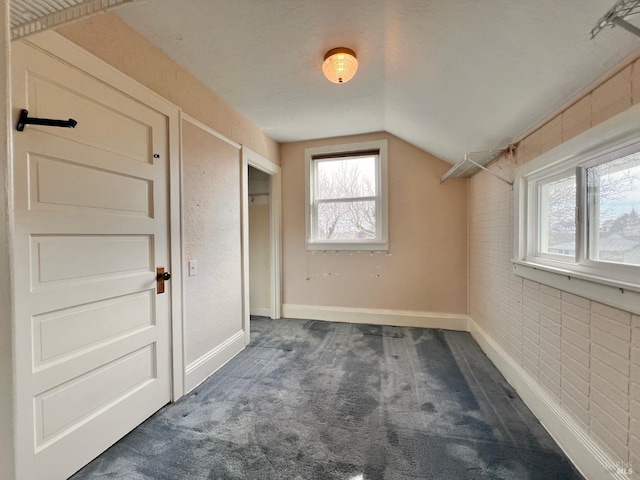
(447, 76)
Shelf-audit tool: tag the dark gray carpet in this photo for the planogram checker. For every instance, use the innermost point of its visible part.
(320, 400)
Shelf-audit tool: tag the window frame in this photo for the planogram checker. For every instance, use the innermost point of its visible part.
(622, 270)
(346, 151)
(612, 283)
(581, 261)
(534, 250)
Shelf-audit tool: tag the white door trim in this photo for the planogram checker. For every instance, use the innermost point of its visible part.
(197, 123)
(56, 45)
(253, 159)
(7, 376)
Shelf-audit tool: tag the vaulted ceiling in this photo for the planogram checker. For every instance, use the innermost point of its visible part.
(447, 76)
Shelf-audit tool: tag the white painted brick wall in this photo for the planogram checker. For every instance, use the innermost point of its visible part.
(577, 345)
(634, 408)
(611, 359)
(602, 393)
(601, 430)
(584, 353)
(551, 330)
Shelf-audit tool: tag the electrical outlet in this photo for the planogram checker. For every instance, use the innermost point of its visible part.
(193, 268)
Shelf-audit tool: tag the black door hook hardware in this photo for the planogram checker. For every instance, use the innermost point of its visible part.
(26, 120)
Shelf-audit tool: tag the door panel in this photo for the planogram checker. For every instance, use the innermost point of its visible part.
(68, 331)
(91, 226)
(67, 405)
(94, 256)
(54, 181)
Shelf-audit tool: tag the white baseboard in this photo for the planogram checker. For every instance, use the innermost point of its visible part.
(205, 366)
(588, 457)
(260, 311)
(395, 318)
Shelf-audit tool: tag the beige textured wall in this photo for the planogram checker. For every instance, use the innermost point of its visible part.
(115, 42)
(211, 195)
(259, 256)
(425, 269)
(585, 354)
(211, 230)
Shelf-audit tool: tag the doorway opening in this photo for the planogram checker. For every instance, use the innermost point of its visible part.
(260, 238)
(260, 300)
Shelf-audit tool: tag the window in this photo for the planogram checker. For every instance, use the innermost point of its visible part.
(556, 216)
(586, 218)
(613, 210)
(347, 197)
(578, 214)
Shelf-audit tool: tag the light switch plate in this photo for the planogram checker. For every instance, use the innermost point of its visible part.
(193, 268)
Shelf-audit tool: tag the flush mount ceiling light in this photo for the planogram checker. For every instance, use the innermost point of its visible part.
(340, 65)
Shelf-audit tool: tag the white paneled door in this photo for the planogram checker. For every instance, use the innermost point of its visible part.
(91, 226)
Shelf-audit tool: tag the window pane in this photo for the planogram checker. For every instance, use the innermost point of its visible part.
(557, 229)
(346, 178)
(614, 210)
(346, 221)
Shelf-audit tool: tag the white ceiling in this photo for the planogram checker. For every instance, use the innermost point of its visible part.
(447, 76)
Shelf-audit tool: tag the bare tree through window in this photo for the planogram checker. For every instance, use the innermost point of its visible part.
(346, 198)
(614, 203)
(613, 212)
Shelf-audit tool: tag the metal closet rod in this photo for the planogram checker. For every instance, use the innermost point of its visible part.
(616, 15)
(253, 195)
(626, 25)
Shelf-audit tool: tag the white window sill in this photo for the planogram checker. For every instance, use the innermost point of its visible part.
(625, 296)
(332, 247)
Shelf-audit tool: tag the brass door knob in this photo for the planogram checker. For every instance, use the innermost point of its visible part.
(161, 277)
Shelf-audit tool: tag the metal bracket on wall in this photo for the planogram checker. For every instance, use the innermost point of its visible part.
(616, 15)
(467, 167)
(499, 177)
